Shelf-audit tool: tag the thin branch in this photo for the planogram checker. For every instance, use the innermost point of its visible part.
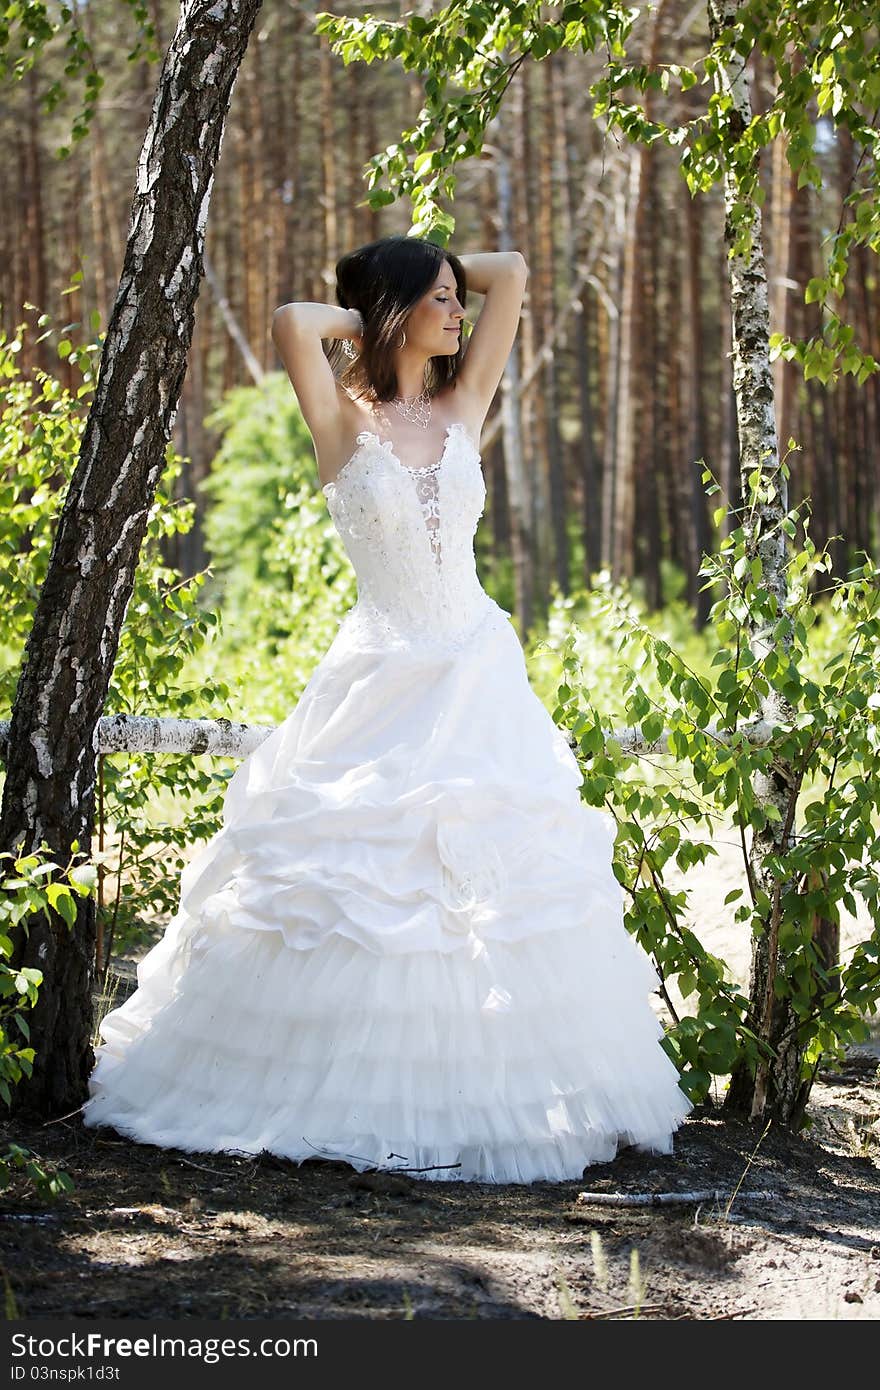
(667, 1199)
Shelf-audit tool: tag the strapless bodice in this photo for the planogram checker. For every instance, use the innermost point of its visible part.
(409, 533)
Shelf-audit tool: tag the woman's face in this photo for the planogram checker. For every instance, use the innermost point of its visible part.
(434, 324)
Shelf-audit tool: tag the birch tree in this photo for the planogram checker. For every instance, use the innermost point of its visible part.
(50, 777)
(772, 1018)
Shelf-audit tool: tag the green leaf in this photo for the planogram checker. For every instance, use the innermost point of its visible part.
(815, 291)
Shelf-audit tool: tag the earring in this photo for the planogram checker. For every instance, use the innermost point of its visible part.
(349, 348)
(403, 344)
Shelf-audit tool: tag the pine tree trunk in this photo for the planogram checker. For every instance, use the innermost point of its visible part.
(629, 363)
(586, 463)
(330, 245)
(611, 378)
(648, 537)
(519, 509)
(36, 237)
(700, 597)
(776, 1086)
(731, 482)
(783, 186)
(523, 216)
(50, 781)
(548, 173)
(632, 312)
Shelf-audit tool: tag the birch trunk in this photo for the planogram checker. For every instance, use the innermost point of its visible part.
(776, 1087)
(50, 782)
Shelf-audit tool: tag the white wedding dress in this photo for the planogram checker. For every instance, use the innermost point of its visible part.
(405, 946)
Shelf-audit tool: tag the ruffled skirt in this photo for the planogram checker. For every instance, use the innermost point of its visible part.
(404, 948)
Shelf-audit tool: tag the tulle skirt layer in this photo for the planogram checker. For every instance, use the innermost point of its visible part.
(405, 947)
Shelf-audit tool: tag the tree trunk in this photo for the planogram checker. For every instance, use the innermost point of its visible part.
(330, 249)
(50, 782)
(251, 193)
(647, 541)
(731, 482)
(632, 316)
(783, 186)
(776, 1086)
(511, 423)
(700, 597)
(611, 378)
(631, 307)
(525, 218)
(586, 462)
(548, 174)
(35, 234)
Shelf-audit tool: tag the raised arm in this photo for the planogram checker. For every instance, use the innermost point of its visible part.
(297, 331)
(501, 276)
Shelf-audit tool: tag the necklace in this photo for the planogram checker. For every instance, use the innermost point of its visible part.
(417, 409)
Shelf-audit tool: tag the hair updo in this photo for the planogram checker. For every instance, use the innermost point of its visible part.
(384, 280)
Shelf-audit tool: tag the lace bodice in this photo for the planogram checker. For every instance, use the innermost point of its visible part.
(409, 534)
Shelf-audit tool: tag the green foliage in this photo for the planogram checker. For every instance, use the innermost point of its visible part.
(41, 425)
(277, 560)
(28, 28)
(30, 884)
(582, 613)
(265, 450)
(826, 846)
(825, 61)
(46, 1180)
(40, 430)
(462, 46)
(36, 884)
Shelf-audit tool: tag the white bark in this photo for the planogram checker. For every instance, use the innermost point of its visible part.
(221, 738)
(667, 1199)
(777, 1084)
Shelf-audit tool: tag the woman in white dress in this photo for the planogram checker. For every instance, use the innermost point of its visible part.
(405, 946)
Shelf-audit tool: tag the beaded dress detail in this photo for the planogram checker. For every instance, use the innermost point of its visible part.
(405, 947)
(402, 599)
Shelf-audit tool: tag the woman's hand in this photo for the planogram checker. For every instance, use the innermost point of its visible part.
(357, 335)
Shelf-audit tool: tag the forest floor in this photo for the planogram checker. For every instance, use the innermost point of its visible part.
(159, 1233)
(152, 1233)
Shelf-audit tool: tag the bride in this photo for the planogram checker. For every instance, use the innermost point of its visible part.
(404, 948)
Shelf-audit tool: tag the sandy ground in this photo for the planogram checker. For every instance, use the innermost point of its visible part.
(154, 1233)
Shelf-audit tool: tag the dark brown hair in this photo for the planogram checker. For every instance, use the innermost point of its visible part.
(384, 280)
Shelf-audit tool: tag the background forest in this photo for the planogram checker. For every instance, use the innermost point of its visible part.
(625, 338)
